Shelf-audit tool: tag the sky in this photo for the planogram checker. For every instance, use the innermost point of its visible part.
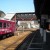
(15, 6)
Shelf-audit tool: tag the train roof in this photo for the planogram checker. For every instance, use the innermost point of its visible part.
(6, 19)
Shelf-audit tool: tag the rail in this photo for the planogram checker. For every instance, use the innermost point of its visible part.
(31, 41)
(35, 43)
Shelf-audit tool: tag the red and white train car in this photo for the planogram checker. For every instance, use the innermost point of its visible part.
(7, 28)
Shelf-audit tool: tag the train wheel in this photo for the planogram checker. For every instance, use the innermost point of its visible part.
(7, 35)
(0, 37)
(12, 34)
(4, 36)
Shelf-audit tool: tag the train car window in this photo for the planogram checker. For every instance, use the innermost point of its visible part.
(4, 25)
(0, 24)
(7, 24)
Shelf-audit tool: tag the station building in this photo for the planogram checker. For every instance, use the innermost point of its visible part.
(25, 19)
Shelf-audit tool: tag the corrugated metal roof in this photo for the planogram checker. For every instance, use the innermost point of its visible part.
(9, 16)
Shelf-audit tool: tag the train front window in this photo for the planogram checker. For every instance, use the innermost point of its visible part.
(4, 25)
(0, 24)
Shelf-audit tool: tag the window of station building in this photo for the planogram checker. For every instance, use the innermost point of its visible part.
(22, 15)
(29, 14)
(0, 24)
(26, 14)
(4, 25)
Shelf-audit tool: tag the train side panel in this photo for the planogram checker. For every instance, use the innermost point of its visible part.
(7, 27)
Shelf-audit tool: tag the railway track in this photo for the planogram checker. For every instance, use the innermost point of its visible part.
(33, 42)
(13, 42)
(25, 43)
(36, 43)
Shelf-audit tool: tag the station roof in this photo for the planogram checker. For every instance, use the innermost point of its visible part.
(25, 16)
(9, 16)
(26, 13)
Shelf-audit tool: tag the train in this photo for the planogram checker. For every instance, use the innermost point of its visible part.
(7, 28)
